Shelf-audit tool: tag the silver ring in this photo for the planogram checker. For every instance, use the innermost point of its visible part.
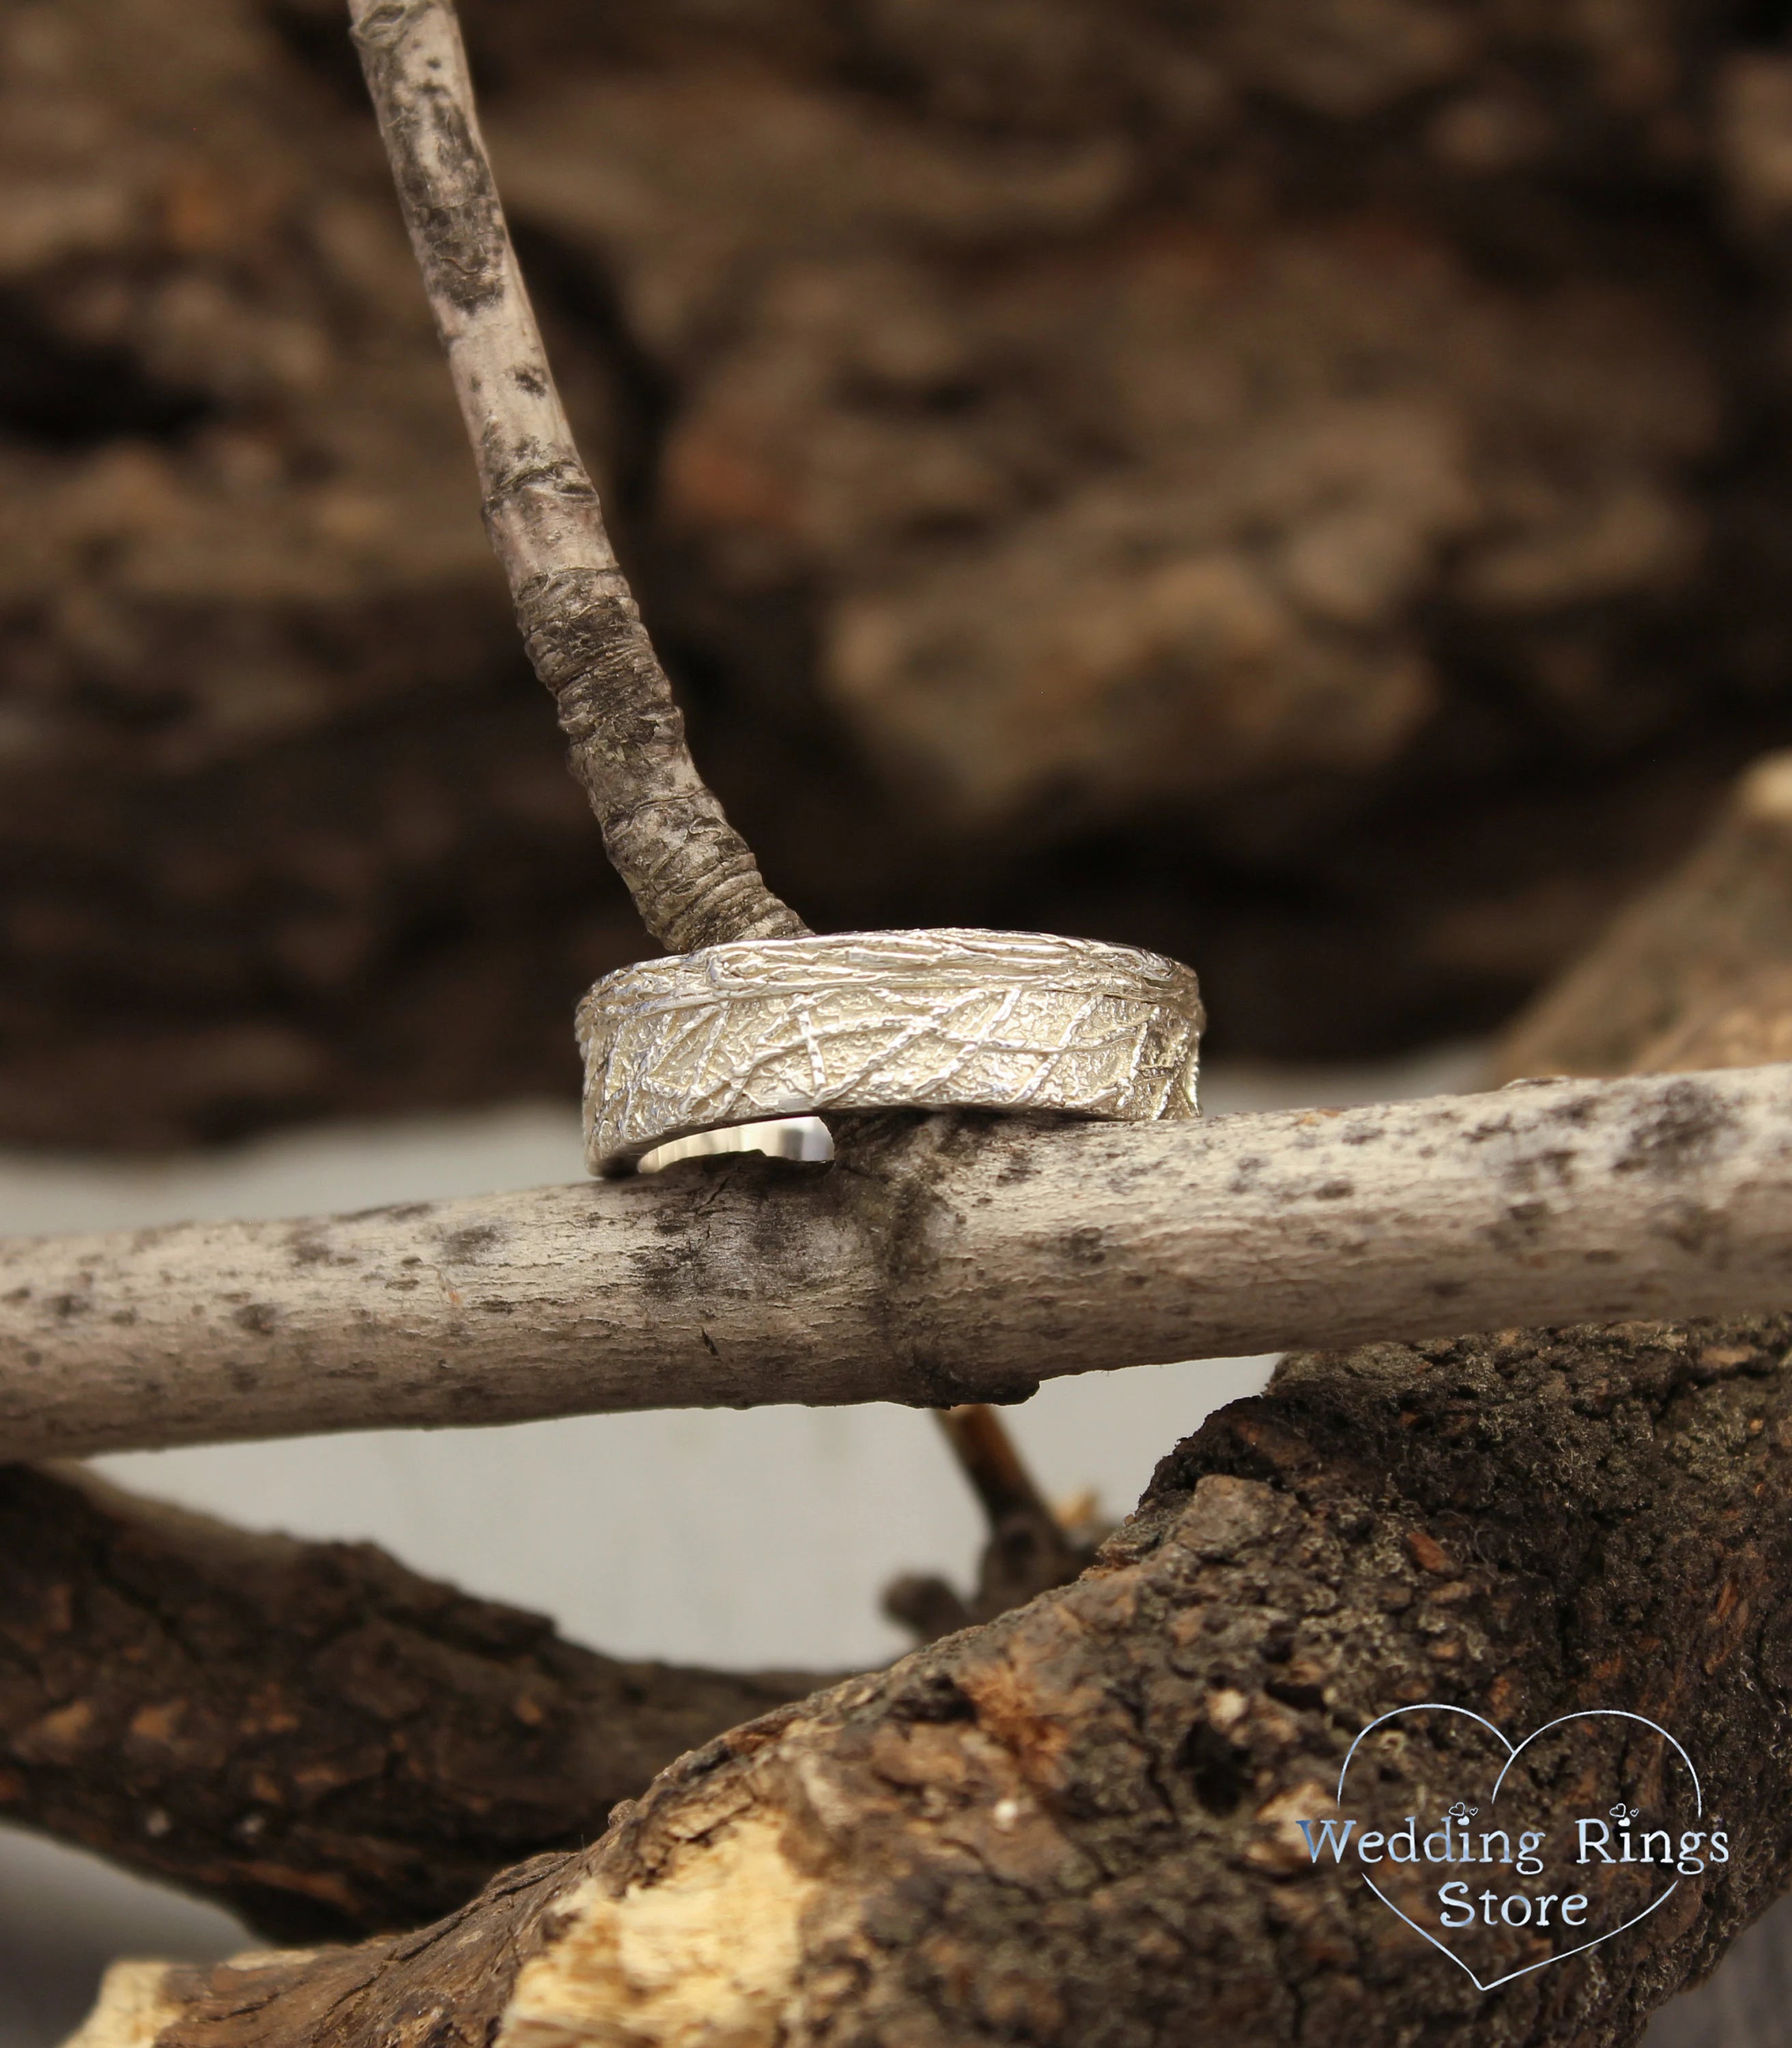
(949, 1019)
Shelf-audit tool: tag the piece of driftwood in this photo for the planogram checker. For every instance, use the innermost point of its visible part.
(1075, 1825)
(1503, 1523)
(1503, 1436)
(692, 876)
(1695, 972)
(307, 1733)
(937, 1260)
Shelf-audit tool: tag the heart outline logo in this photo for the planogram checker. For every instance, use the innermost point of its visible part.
(1514, 1751)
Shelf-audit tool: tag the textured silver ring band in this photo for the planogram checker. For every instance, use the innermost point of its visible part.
(949, 1019)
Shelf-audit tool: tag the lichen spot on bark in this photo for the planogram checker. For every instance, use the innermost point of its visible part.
(705, 1957)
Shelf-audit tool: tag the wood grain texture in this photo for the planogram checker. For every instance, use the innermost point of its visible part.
(938, 1260)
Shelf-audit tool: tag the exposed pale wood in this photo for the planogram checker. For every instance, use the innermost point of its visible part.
(938, 1260)
(307, 1733)
(1076, 1827)
(692, 876)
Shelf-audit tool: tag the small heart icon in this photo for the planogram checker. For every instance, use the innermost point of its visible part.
(1509, 1857)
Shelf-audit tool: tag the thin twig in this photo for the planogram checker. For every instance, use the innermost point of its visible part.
(693, 876)
(1029, 1548)
(991, 1460)
(937, 1261)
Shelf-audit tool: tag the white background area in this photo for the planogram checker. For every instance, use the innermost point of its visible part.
(740, 1539)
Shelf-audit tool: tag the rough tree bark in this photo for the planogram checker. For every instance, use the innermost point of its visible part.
(692, 876)
(1074, 1825)
(1398, 675)
(936, 1261)
(1521, 1524)
(307, 1733)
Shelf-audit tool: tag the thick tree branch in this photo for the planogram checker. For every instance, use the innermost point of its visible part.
(938, 1260)
(1075, 1825)
(692, 876)
(1496, 1521)
(307, 1732)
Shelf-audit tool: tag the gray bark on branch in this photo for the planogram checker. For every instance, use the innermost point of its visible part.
(1076, 1824)
(692, 876)
(939, 1260)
